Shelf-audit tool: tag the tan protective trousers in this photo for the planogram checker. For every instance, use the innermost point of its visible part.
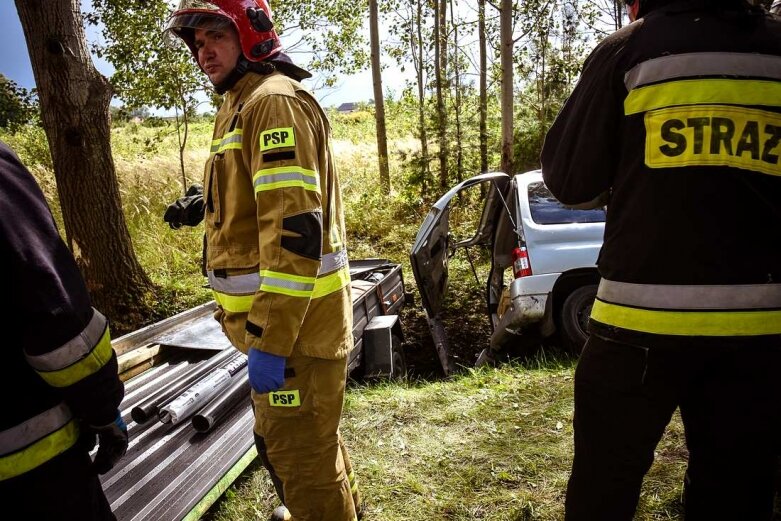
(298, 440)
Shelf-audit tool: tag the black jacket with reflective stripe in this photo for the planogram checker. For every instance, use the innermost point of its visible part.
(694, 176)
(45, 305)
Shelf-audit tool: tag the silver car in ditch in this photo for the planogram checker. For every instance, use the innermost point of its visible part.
(543, 276)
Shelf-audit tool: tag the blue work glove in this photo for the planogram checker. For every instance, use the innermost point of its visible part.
(266, 371)
(112, 444)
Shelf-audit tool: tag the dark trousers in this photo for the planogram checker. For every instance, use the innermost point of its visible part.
(729, 395)
(64, 488)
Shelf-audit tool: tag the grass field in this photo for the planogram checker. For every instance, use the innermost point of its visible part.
(491, 444)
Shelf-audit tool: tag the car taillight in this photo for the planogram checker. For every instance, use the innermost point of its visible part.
(521, 265)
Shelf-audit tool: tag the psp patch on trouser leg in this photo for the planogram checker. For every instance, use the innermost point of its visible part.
(302, 441)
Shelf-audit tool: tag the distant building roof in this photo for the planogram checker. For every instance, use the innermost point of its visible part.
(347, 107)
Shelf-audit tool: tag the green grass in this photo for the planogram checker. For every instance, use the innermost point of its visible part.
(489, 444)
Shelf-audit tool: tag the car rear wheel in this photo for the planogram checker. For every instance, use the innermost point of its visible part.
(573, 319)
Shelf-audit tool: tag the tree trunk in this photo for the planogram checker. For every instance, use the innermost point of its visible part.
(483, 88)
(506, 32)
(457, 101)
(417, 55)
(182, 135)
(379, 98)
(74, 100)
(440, 72)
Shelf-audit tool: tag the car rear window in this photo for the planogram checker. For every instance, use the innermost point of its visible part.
(545, 209)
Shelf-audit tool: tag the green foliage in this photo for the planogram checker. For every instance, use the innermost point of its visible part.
(149, 71)
(331, 30)
(18, 106)
(30, 144)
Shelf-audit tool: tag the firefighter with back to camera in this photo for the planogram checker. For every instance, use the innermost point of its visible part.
(59, 384)
(675, 124)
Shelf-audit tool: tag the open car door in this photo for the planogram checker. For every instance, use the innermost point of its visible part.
(432, 248)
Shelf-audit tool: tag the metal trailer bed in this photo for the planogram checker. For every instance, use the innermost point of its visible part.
(172, 472)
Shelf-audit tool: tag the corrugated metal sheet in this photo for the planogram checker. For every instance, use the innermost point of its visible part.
(172, 472)
(170, 468)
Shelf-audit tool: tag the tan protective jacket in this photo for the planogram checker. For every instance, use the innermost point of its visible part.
(276, 257)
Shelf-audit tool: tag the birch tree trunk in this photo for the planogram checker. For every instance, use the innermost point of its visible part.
(483, 87)
(440, 73)
(506, 37)
(457, 99)
(420, 66)
(379, 98)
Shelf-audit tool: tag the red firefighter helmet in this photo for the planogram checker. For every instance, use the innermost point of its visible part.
(250, 18)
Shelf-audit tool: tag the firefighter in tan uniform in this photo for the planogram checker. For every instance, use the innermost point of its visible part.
(276, 257)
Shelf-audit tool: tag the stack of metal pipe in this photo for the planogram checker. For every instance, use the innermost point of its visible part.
(209, 390)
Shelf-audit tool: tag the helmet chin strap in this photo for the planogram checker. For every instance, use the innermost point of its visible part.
(243, 66)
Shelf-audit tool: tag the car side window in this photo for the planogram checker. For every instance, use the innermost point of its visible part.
(546, 209)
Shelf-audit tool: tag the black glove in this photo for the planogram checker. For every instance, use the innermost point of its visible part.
(186, 210)
(112, 444)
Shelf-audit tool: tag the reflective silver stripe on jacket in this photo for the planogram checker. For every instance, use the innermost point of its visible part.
(34, 429)
(73, 350)
(333, 261)
(250, 283)
(663, 296)
(285, 283)
(301, 176)
(703, 64)
(235, 284)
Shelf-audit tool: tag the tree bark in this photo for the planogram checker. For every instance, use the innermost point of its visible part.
(74, 100)
(483, 88)
(506, 36)
(379, 98)
(457, 101)
(440, 73)
(417, 55)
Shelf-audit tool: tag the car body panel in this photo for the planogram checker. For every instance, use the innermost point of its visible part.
(557, 246)
(431, 248)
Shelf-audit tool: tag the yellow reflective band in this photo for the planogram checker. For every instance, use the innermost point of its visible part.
(688, 323)
(39, 452)
(286, 177)
(92, 363)
(234, 303)
(354, 486)
(277, 138)
(284, 399)
(291, 285)
(331, 283)
(231, 140)
(286, 284)
(698, 92)
(707, 135)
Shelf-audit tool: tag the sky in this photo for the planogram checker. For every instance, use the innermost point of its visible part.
(15, 65)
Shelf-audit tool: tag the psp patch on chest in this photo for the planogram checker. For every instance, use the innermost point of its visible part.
(277, 138)
(284, 399)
